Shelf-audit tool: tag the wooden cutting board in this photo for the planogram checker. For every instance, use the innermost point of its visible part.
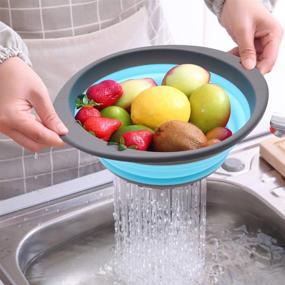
(273, 151)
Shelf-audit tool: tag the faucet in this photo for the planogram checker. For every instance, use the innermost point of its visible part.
(277, 125)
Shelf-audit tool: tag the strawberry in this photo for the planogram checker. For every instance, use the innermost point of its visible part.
(86, 112)
(103, 128)
(140, 140)
(105, 93)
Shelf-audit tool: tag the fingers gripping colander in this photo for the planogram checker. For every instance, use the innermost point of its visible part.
(247, 90)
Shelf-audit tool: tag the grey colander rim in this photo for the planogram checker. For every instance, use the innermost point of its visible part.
(251, 83)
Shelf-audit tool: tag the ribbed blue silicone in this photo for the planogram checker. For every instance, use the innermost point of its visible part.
(178, 173)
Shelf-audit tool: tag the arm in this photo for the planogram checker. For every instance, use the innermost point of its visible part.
(21, 91)
(12, 45)
(257, 33)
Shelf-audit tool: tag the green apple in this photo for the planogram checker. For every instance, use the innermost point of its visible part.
(132, 88)
(186, 77)
(116, 112)
(210, 107)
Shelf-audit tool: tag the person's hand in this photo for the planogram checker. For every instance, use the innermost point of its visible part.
(21, 90)
(257, 33)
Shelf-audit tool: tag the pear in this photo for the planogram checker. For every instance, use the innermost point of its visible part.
(177, 135)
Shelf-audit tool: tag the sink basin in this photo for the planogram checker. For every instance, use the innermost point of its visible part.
(70, 242)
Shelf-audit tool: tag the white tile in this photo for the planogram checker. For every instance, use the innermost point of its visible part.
(186, 20)
(215, 35)
(275, 79)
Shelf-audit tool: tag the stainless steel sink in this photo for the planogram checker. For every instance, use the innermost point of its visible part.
(36, 240)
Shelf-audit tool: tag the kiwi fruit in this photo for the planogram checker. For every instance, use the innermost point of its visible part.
(178, 136)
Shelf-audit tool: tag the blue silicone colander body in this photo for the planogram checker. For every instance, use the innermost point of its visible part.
(175, 174)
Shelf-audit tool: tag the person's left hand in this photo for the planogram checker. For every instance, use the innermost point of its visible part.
(257, 33)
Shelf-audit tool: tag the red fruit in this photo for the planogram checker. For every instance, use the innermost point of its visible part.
(219, 133)
(105, 93)
(103, 128)
(86, 112)
(140, 140)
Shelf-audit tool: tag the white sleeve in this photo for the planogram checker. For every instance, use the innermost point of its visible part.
(11, 45)
(269, 4)
(216, 6)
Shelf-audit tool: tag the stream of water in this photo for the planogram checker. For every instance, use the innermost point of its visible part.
(159, 233)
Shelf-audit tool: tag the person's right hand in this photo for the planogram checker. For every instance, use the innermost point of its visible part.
(21, 90)
(257, 33)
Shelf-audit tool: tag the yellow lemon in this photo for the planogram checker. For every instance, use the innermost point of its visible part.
(159, 104)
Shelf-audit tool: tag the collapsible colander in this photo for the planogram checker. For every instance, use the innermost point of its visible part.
(247, 90)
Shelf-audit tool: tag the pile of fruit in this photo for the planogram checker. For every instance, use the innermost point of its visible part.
(186, 112)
